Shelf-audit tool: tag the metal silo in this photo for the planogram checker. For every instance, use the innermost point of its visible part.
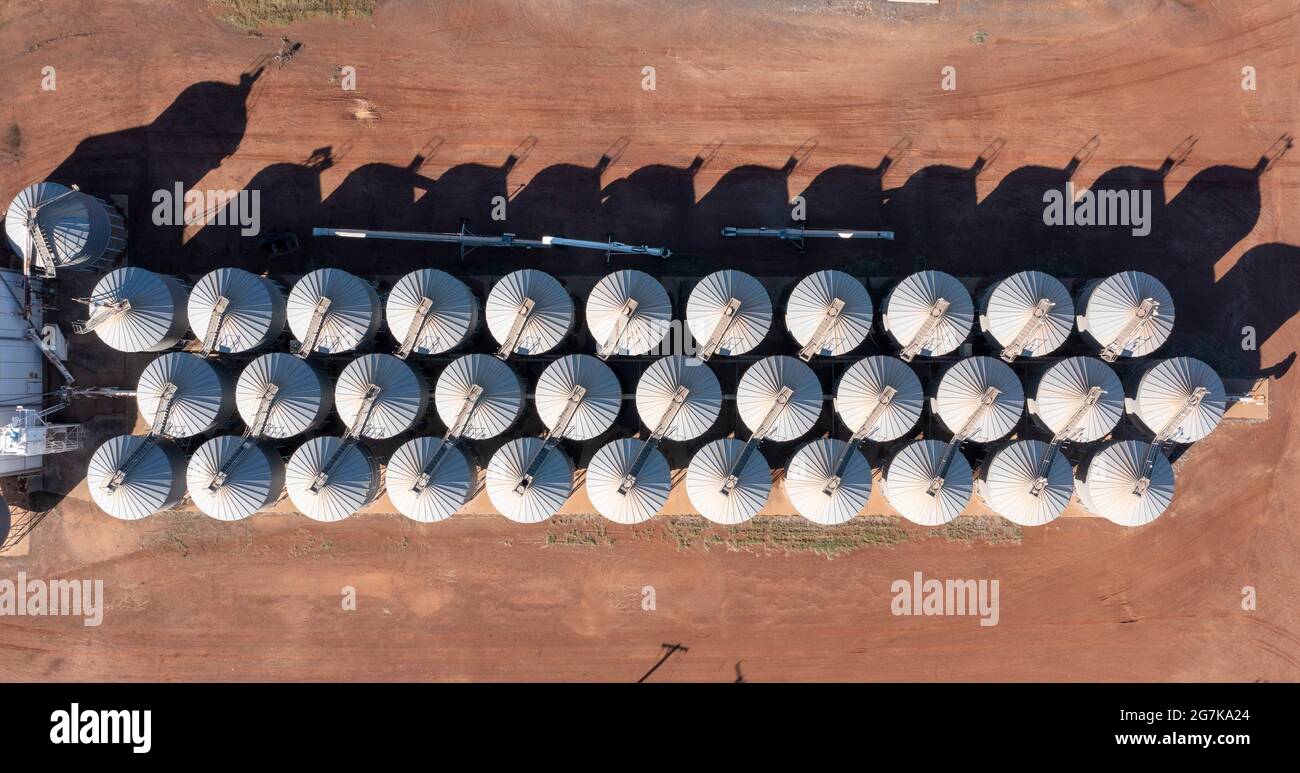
(293, 394)
(679, 394)
(1079, 399)
(329, 480)
(392, 394)
(430, 312)
(528, 312)
(781, 394)
(234, 311)
(1028, 482)
(480, 395)
(928, 313)
(529, 481)
(130, 476)
(231, 477)
(1179, 400)
(188, 394)
(1028, 314)
(828, 481)
(1128, 482)
(332, 311)
(728, 481)
(628, 481)
(578, 397)
(829, 313)
(879, 398)
(51, 226)
(429, 479)
(979, 399)
(928, 482)
(729, 313)
(135, 310)
(628, 313)
(1129, 314)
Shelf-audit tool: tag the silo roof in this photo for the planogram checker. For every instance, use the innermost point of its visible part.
(71, 227)
(659, 385)
(254, 481)
(1063, 390)
(708, 472)
(448, 488)
(909, 305)
(350, 320)
(302, 400)
(646, 495)
(548, 322)
(598, 408)
(708, 304)
(203, 397)
(810, 473)
(1012, 307)
(758, 390)
(608, 308)
(254, 314)
(1110, 481)
(863, 384)
(156, 482)
(497, 408)
(402, 400)
(813, 300)
(1165, 390)
(907, 480)
(352, 484)
(1111, 304)
(1009, 483)
(450, 319)
(540, 499)
(152, 316)
(961, 391)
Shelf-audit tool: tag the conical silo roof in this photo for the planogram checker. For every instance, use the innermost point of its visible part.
(434, 307)
(961, 392)
(497, 407)
(1010, 313)
(543, 496)
(911, 304)
(156, 482)
(350, 321)
(204, 398)
(545, 326)
(708, 472)
(253, 314)
(908, 476)
(1107, 308)
(609, 307)
(352, 483)
(1008, 483)
(812, 470)
(658, 388)
(708, 305)
(1063, 391)
(402, 400)
(861, 388)
(254, 481)
(647, 493)
(303, 397)
(1109, 483)
(758, 390)
(1165, 390)
(449, 485)
(79, 229)
(140, 311)
(812, 313)
(598, 408)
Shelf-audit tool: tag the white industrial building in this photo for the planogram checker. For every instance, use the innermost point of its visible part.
(1079, 399)
(578, 397)
(296, 395)
(385, 393)
(131, 477)
(685, 391)
(135, 310)
(1129, 314)
(879, 398)
(485, 386)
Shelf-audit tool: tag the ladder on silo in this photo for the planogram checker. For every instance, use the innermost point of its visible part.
(1146, 311)
(966, 432)
(829, 318)
(1068, 432)
(756, 439)
(730, 313)
(450, 438)
(656, 437)
(100, 313)
(861, 436)
(314, 328)
(621, 323)
(522, 314)
(157, 431)
(215, 320)
(552, 438)
(1165, 434)
(36, 235)
(354, 432)
(938, 310)
(1032, 328)
(419, 321)
(252, 433)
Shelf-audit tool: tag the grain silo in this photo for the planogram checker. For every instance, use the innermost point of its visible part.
(779, 398)
(628, 313)
(928, 482)
(829, 314)
(135, 310)
(628, 481)
(578, 397)
(431, 312)
(927, 314)
(385, 393)
(879, 398)
(1129, 314)
(185, 395)
(1128, 482)
(979, 399)
(1079, 399)
(728, 481)
(678, 396)
(429, 479)
(131, 476)
(286, 396)
(479, 396)
(1028, 314)
(528, 312)
(529, 480)
(1179, 400)
(231, 477)
(233, 311)
(52, 227)
(828, 481)
(332, 311)
(329, 479)
(729, 313)
(1028, 482)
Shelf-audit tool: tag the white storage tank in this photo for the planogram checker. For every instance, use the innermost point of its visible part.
(233, 311)
(734, 303)
(928, 314)
(829, 314)
(431, 312)
(349, 309)
(910, 474)
(628, 313)
(820, 490)
(643, 496)
(542, 302)
(79, 231)
(658, 388)
(1060, 403)
(1131, 306)
(537, 499)
(1114, 482)
(155, 481)
(303, 396)
(1167, 396)
(707, 477)
(861, 389)
(960, 395)
(1028, 314)
(253, 481)
(497, 408)
(448, 486)
(400, 404)
(351, 484)
(1028, 482)
(135, 310)
(598, 407)
(204, 397)
(760, 387)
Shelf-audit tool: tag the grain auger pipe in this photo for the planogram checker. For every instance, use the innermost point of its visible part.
(965, 433)
(454, 434)
(1073, 426)
(1145, 312)
(938, 310)
(1032, 328)
(252, 433)
(157, 431)
(756, 439)
(862, 435)
(797, 234)
(1164, 435)
(350, 438)
(552, 438)
(656, 436)
(468, 241)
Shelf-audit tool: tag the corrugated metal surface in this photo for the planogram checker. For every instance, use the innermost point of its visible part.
(810, 472)
(1107, 483)
(1106, 307)
(709, 299)
(1164, 390)
(254, 482)
(454, 316)
(599, 407)
(500, 405)
(450, 484)
(658, 386)
(551, 317)
(1062, 391)
(80, 230)
(303, 402)
(813, 297)
(646, 496)
(155, 484)
(204, 399)
(757, 393)
(353, 482)
(543, 497)
(860, 390)
(1007, 483)
(403, 395)
(1010, 306)
(255, 312)
(650, 321)
(907, 478)
(707, 473)
(908, 306)
(352, 318)
(157, 319)
(961, 390)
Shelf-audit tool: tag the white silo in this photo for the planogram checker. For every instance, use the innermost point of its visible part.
(729, 312)
(628, 481)
(231, 477)
(728, 481)
(1079, 399)
(329, 480)
(135, 310)
(680, 394)
(1028, 314)
(286, 396)
(528, 481)
(188, 394)
(528, 312)
(828, 481)
(879, 398)
(332, 311)
(1028, 482)
(480, 395)
(1129, 314)
(429, 479)
(829, 314)
(233, 311)
(431, 312)
(628, 313)
(51, 226)
(385, 393)
(760, 403)
(928, 482)
(131, 476)
(927, 314)
(1128, 482)
(578, 397)
(1179, 400)
(979, 399)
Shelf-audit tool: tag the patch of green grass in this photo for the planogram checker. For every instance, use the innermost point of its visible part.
(251, 14)
(979, 528)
